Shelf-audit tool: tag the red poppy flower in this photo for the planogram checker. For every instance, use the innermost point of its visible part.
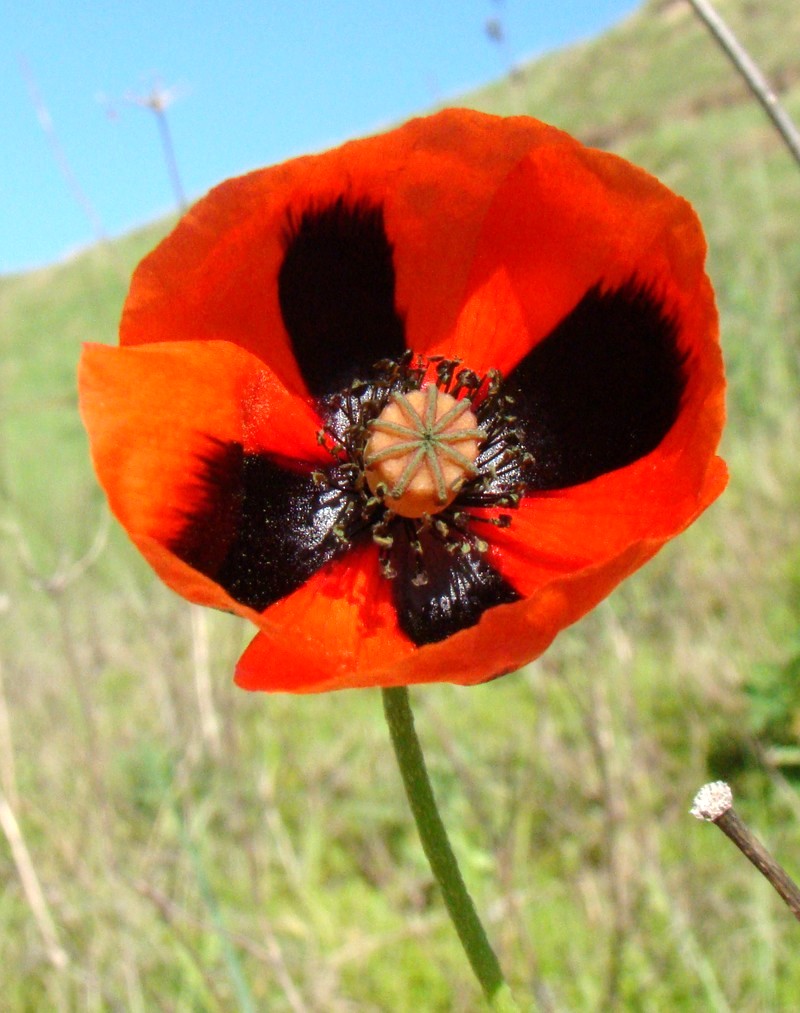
(414, 405)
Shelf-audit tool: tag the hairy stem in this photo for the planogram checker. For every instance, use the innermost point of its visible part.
(438, 851)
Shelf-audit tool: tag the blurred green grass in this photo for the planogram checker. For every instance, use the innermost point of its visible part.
(204, 849)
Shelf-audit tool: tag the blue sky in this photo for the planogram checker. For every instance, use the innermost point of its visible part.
(257, 83)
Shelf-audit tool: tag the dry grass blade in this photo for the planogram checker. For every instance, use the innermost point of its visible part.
(751, 73)
(34, 894)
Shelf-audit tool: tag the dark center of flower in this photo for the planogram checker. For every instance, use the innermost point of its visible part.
(422, 448)
(416, 447)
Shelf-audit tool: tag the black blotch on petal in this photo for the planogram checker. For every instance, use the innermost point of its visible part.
(460, 588)
(257, 527)
(336, 288)
(601, 390)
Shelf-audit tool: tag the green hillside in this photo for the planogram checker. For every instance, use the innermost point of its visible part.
(198, 848)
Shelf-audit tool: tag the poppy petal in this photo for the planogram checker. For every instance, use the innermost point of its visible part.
(339, 624)
(325, 647)
(601, 390)
(261, 529)
(434, 179)
(157, 418)
(564, 220)
(561, 552)
(458, 588)
(336, 288)
(585, 527)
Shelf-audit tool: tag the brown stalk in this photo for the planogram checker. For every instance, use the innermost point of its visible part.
(714, 803)
(754, 78)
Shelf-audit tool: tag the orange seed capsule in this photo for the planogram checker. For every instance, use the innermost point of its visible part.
(422, 449)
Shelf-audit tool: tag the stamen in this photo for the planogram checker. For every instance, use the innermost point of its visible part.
(410, 453)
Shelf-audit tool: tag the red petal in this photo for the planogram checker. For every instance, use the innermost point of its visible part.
(340, 625)
(308, 657)
(563, 552)
(565, 218)
(589, 526)
(216, 275)
(151, 412)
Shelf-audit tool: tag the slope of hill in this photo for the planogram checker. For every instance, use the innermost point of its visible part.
(203, 849)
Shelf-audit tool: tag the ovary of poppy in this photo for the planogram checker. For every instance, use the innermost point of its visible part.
(560, 291)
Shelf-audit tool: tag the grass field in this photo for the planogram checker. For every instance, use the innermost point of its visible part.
(170, 842)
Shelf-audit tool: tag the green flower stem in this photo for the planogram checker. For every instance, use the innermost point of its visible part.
(440, 855)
